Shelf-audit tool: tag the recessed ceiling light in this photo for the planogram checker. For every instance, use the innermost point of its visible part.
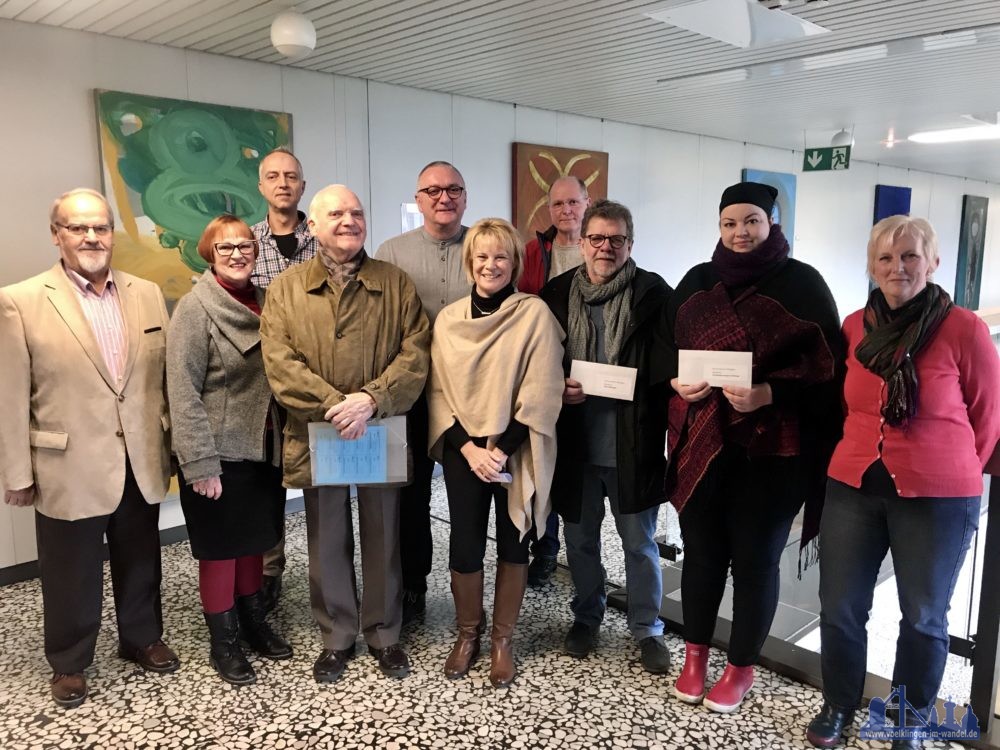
(958, 135)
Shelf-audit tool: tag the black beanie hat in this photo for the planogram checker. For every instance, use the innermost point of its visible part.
(755, 193)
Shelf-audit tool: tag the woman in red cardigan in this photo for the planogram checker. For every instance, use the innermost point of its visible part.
(923, 418)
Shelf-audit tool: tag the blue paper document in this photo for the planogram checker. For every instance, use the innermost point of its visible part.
(378, 457)
(361, 461)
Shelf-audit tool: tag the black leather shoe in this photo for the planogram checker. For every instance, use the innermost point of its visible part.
(270, 589)
(69, 690)
(156, 657)
(540, 571)
(580, 640)
(392, 660)
(655, 656)
(827, 727)
(331, 664)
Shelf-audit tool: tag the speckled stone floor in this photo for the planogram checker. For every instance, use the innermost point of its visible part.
(605, 701)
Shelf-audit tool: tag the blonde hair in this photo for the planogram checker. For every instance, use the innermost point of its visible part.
(891, 228)
(503, 233)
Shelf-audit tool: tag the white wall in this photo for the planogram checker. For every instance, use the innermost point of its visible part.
(375, 137)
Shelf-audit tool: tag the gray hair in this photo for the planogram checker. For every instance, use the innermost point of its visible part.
(57, 203)
(440, 163)
(278, 150)
(579, 183)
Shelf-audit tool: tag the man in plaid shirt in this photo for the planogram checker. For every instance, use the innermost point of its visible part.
(285, 241)
(283, 234)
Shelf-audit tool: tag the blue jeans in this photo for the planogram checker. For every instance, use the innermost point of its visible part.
(642, 557)
(928, 538)
(547, 545)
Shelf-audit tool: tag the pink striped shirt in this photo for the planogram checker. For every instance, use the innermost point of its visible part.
(104, 312)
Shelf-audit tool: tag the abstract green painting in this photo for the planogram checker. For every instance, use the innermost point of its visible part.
(170, 166)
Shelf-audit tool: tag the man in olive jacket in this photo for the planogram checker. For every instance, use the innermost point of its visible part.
(611, 311)
(345, 339)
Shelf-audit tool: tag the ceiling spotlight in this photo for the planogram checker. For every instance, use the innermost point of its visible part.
(842, 138)
(293, 35)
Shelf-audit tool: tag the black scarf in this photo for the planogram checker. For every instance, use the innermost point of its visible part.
(893, 338)
(742, 269)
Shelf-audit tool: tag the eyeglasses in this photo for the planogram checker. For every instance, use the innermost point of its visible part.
(617, 241)
(225, 249)
(434, 192)
(79, 230)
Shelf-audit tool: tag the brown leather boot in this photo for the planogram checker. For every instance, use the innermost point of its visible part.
(511, 582)
(467, 588)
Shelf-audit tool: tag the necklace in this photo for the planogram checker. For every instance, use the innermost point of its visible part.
(481, 310)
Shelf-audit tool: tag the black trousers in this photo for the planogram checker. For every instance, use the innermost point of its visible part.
(739, 515)
(70, 562)
(416, 548)
(469, 501)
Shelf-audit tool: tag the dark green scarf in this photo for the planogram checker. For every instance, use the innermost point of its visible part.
(893, 338)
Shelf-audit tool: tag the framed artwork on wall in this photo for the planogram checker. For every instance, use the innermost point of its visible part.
(169, 167)
(891, 200)
(536, 167)
(971, 248)
(784, 206)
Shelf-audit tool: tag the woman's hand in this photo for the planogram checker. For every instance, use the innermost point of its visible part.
(573, 393)
(691, 393)
(746, 400)
(482, 462)
(210, 488)
(498, 455)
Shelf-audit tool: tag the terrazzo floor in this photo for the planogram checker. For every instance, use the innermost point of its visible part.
(605, 701)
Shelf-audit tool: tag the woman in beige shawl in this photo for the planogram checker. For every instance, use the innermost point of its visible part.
(494, 395)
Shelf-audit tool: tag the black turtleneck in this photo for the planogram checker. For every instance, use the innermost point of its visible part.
(516, 432)
(482, 306)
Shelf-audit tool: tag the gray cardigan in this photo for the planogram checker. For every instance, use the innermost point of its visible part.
(219, 396)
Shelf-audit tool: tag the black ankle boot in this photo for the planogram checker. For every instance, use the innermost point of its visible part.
(226, 656)
(255, 630)
(827, 727)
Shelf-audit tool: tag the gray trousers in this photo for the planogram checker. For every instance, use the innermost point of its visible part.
(333, 585)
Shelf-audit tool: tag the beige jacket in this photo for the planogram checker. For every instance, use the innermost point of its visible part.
(66, 425)
(321, 343)
(487, 371)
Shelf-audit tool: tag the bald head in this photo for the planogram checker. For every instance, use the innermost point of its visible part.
(72, 195)
(337, 221)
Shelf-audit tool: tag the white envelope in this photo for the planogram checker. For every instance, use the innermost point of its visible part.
(715, 368)
(610, 381)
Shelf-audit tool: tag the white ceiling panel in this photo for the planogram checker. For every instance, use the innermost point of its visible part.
(883, 65)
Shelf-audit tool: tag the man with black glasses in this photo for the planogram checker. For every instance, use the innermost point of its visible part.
(611, 311)
(432, 256)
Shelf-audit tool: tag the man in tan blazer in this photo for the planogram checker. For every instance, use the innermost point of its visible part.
(84, 440)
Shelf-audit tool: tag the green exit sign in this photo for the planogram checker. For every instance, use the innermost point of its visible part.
(825, 159)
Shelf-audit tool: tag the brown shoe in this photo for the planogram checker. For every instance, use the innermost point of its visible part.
(511, 581)
(69, 690)
(467, 588)
(156, 657)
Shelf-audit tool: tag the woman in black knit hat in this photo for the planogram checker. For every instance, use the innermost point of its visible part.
(743, 460)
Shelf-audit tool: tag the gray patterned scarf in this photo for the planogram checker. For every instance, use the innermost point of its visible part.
(341, 273)
(616, 296)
